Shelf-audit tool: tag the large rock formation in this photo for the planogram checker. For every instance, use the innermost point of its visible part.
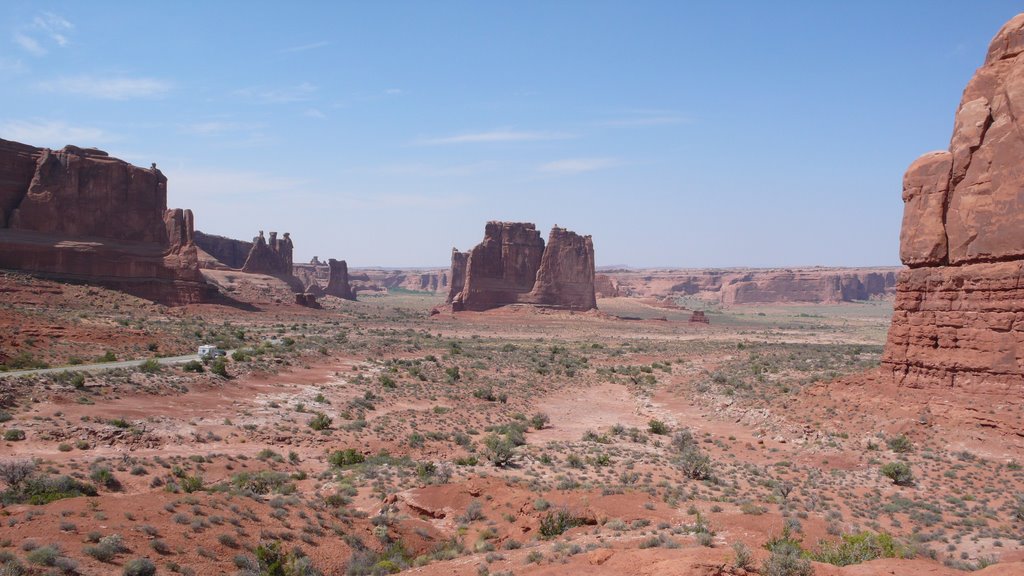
(566, 275)
(273, 258)
(959, 311)
(80, 214)
(337, 284)
(225, 252)
(512, 266)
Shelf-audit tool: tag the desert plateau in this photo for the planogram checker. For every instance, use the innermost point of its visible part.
(175, 399)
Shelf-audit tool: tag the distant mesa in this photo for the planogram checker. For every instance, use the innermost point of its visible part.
(513, 266)
(730, 287)
(79, 214)
(959, 310)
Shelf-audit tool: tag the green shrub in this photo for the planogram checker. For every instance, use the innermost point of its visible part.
(787, 563)
(346, 457)
(108, 356)
(899, 472)
(498, 449)
(320, 421)
(900, 444)
(14, 435)
(150, 366)
(695, 464)
(657, 427)
(140, 567)
(193, 366)
(190, 484)
(858, 548)
(539, 420)
(555, 523)
(24, 361)
(220, 368)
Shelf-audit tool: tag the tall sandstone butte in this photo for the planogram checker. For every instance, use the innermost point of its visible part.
(513, 266)
(959, 309)
(337, 283)
(80, 214)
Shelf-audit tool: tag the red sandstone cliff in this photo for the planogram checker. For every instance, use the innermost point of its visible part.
(224, 252)
(959, 310)
(566, 275)
(81, 214)
(513, 266)
(337, 284)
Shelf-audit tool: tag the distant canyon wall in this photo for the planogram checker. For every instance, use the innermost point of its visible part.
(761, 286)
(80, 214)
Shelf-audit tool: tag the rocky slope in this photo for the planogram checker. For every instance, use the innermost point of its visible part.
(80, 214)
(959, 310)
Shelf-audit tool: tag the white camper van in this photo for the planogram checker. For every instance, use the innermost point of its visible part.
(210, 351)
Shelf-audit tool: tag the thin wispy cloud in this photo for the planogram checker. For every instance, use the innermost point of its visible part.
(304, 47)
(45, 29)
(393, 91)
(53, 133)
(578, 165)
(300, 93)
(29, 44)
(495, 136)
(53, 26)
(114, 88)
(314, 113)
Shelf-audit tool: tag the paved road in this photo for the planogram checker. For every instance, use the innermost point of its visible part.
(102, 366)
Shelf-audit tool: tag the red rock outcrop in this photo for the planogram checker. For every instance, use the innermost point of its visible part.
(458, 274)
(566, 275)
(959, 309)
(337, 284)
(273, 258)
(226, 252)
(80, 214)
(512, 266)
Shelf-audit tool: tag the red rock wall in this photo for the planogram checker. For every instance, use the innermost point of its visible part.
(566, 275)
(512, 266)
(83, 215)
(458, 274)
(228, 251)
(959, 310)
(338, 284)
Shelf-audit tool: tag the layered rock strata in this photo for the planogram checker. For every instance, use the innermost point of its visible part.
(513, 266)
(959, 309)
(80, 214)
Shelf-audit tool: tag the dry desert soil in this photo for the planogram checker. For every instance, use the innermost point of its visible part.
(372, 437)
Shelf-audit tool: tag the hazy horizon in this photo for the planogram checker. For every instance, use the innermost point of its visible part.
(677, 136)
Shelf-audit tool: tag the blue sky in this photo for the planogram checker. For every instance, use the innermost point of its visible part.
(690, 134)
